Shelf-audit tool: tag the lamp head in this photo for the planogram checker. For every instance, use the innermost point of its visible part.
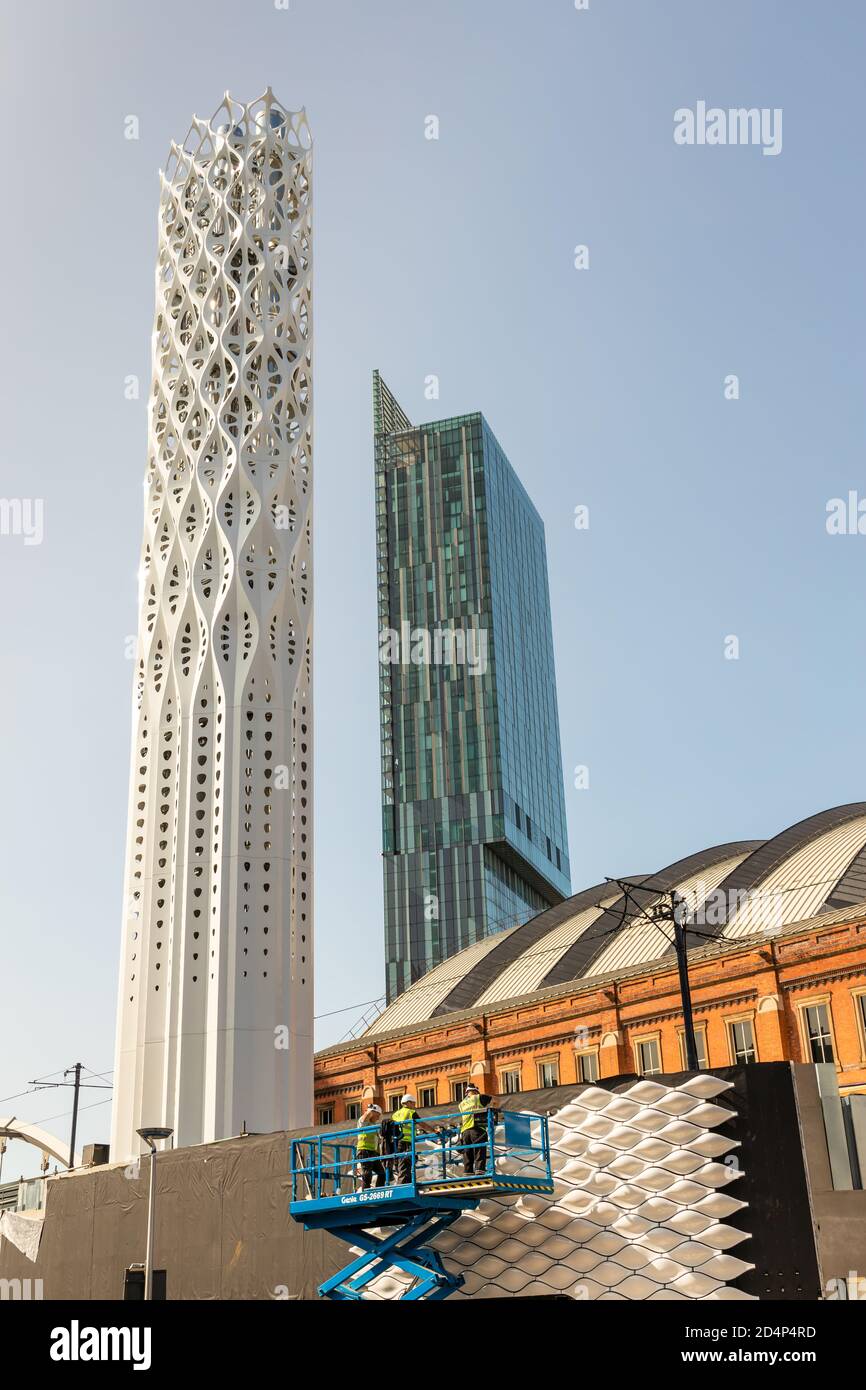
(153, 1132)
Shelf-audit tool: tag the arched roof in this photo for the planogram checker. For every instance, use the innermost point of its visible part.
(817, 865)
(10, 1128)
(806, 862)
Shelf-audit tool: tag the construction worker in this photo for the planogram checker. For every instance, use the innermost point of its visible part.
(367, 1148)
(473, 1130)
(402, 1119)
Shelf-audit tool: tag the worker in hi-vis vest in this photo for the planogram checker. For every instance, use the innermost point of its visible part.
(473, 1130)
(402, 1119)
(367, 1149)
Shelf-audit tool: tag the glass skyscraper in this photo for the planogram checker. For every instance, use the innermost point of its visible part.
(473, 805)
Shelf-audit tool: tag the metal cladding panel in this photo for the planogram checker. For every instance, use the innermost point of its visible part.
(797, 888)
(643, 940)
(643, 1197)
(779, 1217)
(422, 999)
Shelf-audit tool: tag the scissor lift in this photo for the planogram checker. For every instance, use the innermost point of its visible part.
(426, 1191)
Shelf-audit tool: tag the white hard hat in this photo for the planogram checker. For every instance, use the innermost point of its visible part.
(375, 1107)
(408, 1099)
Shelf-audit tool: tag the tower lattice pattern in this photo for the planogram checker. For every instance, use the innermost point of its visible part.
(215, 1000)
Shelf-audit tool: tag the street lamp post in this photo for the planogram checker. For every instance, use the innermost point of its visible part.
(150, 1136)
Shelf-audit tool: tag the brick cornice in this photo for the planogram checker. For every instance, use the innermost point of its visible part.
(431, 1069)
(822, 977)
(705, 1006)
(540, 1043)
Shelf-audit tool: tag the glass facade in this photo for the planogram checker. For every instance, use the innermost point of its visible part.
(473, 803)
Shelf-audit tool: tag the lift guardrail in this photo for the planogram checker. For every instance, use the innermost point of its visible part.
(514, 1155)
(431, 1172)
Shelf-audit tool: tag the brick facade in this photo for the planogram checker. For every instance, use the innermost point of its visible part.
(754, 995)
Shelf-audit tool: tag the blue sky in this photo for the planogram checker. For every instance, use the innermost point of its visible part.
(605, 386)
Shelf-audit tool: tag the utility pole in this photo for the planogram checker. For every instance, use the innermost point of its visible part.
(685, 993)
(671, 909)
(78, 1085)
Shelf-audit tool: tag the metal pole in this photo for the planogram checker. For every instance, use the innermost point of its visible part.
(412, 1176)
(546, 1141)
(151, 1223)
(685, 992)
(77, 1070)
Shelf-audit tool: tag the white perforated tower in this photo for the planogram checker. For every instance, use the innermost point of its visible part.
(214, 1027)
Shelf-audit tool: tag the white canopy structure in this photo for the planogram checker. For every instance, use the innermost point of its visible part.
(10, 1128)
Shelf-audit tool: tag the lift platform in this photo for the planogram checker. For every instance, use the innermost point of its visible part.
(426, 1187)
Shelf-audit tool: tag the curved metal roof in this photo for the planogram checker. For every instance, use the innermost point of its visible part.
(781, 864)
(797, 887)
(516, 944)
(851, 887)
(526, 972)
(424, 998)
(817, 865)
(644, 940)
(583, 956)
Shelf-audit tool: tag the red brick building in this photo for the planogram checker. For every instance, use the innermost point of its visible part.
(590, 989)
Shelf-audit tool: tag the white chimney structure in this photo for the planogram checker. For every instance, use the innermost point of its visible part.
(214, 1024)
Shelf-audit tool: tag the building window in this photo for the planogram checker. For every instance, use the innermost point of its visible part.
(458, 1090)
(700, 1042)
(548, 1074)
(860, 1010)
(326, 1114)
(819, 1039)
(587, 1066)
(427, 1097)
(353, 1110)
(394, 1101)
(647, 1056)
(509, 1081)
(741, 1037)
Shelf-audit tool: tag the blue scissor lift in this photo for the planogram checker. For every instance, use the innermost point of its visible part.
(426, 1190)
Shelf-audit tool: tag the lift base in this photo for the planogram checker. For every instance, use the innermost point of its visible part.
(406, 1248)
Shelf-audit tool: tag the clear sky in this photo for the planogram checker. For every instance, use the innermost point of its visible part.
(605, 386)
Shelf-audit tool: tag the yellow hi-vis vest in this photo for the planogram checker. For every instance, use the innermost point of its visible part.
(369, 1142)
(472, 1109)
(403, 1117)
